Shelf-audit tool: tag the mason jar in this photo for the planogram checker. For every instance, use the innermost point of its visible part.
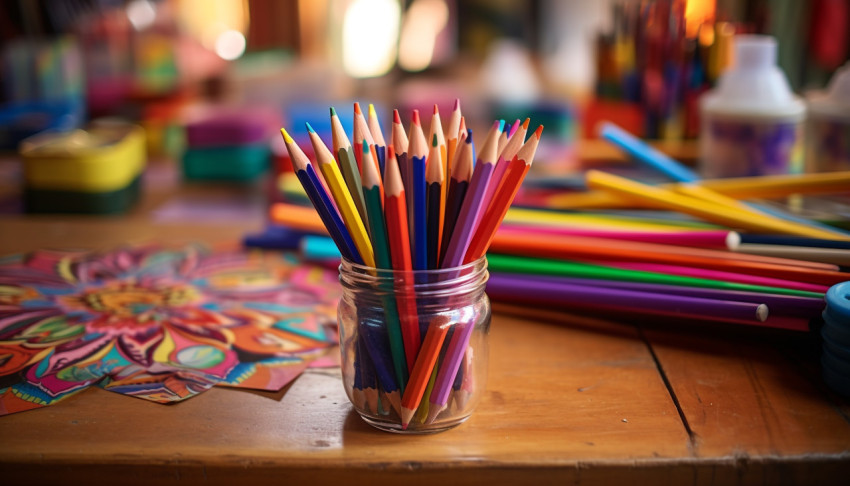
(414, 344)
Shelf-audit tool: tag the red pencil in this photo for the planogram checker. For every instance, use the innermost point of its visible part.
(395, 214)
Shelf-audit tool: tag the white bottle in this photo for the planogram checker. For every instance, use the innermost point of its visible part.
(828, 135)
(751, 123)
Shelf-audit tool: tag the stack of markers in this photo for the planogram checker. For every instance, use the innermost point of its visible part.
(417, 203)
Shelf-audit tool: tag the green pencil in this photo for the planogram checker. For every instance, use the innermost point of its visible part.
(348, 165)
(374, 210)
(541, 266)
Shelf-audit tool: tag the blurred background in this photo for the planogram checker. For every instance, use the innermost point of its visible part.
(211, 81)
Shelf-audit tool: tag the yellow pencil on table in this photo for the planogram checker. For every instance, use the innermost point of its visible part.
(665, 198)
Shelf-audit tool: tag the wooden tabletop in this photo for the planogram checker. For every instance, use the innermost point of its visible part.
(569, 399)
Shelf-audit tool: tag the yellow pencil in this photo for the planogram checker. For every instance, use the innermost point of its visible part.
(343, 199)
(589, 220)
(708, 211)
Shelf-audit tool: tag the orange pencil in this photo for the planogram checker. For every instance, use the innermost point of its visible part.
(514, 174)
(453, 135)
(600, 249)
(361, 133)
(400, 143)
(395, 214)
(506, 154)
(425, 362)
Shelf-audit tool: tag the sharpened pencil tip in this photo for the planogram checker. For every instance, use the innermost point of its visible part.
(539, 131)
(372, 110)
(415, 117)
(309, 128)
(501, 125)
(525, 123)
(434, 142)
(396, 118)
(365, 147)
(333, 112)
(469, 136)
(357, 109)
(286, 137)
(457, 104)
(436, 109)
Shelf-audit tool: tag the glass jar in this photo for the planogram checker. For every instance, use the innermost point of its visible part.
(414, 344)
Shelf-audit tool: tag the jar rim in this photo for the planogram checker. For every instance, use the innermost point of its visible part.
(391, 272)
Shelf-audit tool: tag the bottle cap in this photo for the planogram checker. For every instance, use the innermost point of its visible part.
(754, 87)
(835, 359)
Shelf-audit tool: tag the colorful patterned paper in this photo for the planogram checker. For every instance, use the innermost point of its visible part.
(162, 324)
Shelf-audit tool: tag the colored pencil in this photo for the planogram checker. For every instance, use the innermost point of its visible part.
(449, 366)
(400, 143)
(837, 256)
(646, 154)
(564, 294)
(321, 201)
(471, 209)
(395, 213)
(361, 135)
(503, 139)
(298, 217)
(418, 153)
(374, 208)
(602, 220)
(348, 165)
(546, 266)
(434, 180)
(506, 155)
(344, 202)
(760, 187)
(368, 379)
(791, 305)
(713, 239)
(453, 135)
(709, 273)
(710, 212)
(378, 136)
(458, 185)
(495, 212)
(436, 129)
(377, 345)
(425, 361)
(606, 250)
(358, 396)
(749, 238)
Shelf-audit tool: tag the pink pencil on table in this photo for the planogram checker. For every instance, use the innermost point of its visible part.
(716, 239)
(471, 209)
(506, 154)
(719, 275)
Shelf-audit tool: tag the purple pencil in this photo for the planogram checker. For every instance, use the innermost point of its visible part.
(564, 294)
(448, 369)
(471, 209)
(506, 154)
(790, 305)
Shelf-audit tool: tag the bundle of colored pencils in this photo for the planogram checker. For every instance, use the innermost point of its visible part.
(416, 203)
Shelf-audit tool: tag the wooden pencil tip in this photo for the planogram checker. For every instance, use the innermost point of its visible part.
(333, 112)
(396, 118)
(415, 117)
(457, 104)
(309, 128)
(436, 109)
(372, 110)
(501, 124)
(469, 136)
(434, 142)
(357, 109)
(286, 137)
(366, 147)
(525, 123)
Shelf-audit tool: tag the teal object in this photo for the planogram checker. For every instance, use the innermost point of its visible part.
(237, 163)
(319, 248)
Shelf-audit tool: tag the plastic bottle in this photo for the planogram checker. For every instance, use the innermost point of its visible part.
(752, 123)
(828, 134)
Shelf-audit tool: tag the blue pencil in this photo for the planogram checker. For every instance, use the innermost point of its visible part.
(418, 154)
(320, 199)
(646, 154)
(374, 335)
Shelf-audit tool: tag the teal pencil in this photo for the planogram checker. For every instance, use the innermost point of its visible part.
(374, 208)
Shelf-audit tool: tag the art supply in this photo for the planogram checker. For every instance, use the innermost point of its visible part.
(400, 144)
(344, 154)
(434, 180)
(458, 185)
(752, 123)
(716, 239)
(828, 125)
(425, 361)
(76, 172)
(835, 359)
(436, 130)
(757, 187)
(378, 136)
(506, 155)
(418, 154)
(710, 212)
(646, 154)
(321, 200)
(453, 136)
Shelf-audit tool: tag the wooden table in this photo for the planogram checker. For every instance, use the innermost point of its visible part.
(569, 399)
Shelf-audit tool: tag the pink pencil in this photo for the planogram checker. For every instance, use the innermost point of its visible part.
(471, 209)
(506, 154)
(719, 275)
(699, 239)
